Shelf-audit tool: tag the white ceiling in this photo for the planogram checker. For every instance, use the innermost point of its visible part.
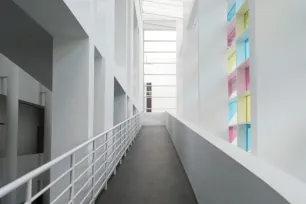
(161, 14)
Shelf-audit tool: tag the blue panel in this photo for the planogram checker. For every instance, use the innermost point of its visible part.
(247, 49)
(240, 53)
(231, 13)
(239, 3)
(248, 139)
(232, 109)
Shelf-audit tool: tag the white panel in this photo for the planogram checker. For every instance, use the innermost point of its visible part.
(159, 57)
(163, 103)
(159, 46)
(159, 35)
(160, 79)
(160, 69)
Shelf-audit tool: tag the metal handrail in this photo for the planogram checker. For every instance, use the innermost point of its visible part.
(120, 142)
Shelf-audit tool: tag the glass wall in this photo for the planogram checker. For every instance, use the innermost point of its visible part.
(159, 71)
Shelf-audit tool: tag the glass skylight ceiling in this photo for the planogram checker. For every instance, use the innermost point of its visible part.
(162, 10)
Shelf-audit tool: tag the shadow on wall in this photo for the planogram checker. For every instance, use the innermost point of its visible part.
(30, 46)
(120, 103)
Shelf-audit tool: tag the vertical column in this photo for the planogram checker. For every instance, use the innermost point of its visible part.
(212, 67)
(72, 100)
(111, 43)
(11, 157)
(278, 81)
(47, 137)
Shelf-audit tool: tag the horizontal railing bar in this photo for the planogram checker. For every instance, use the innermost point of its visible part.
(84, 158)
(101, 145)
(50, 185)
(22, 180)
(89, 192)
(100, 188)
(61, 194)
(81, 189)
(100, 156)
(82, 174)
(102, 165)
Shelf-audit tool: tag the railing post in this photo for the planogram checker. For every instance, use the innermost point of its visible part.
(105, 160)
(72, 177)
(29, 192)
(94, 169)
(121, 145)
(125, 137)
(134, 128)
(129, 134)
(114, 152)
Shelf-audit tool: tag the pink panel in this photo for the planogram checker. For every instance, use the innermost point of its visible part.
(232, 134)
(231, 33)
(247, 78)
(243, 81)
(244, 65)
(231, 86)
(232, 75)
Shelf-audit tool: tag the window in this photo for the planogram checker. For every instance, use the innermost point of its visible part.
(159, 71)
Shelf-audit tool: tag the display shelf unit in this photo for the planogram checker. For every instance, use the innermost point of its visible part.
(239, 95)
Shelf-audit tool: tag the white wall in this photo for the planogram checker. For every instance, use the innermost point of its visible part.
(213, 91)
(107, 23)
(201, 64)
(277, 80)
(72, 101)
(188, 71)
(120, 108)
(222, 173)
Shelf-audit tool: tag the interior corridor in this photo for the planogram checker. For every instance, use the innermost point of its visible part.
(151, 173)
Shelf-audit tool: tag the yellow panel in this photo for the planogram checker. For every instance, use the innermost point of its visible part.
(246, 19)
(242, 109)
(248, 104)
(232, 62)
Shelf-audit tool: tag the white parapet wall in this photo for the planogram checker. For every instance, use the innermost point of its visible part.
(221, 173)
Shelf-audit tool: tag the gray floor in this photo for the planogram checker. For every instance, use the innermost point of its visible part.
(151, 173)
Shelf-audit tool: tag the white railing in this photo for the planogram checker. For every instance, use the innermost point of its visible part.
(102, 155)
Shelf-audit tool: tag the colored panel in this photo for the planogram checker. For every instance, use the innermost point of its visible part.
(240, 54)
(232, 90)
(242, 110)
(247, 78)
(242, 137)
(232, 62)
(248, 106)
(247, 49)
(239, 25)
(231, 13)
(239, 3)
(232, 109)
(248, 139)
(246, 19)
(232, 134)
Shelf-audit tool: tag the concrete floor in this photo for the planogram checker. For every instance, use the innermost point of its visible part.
(151, 174)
